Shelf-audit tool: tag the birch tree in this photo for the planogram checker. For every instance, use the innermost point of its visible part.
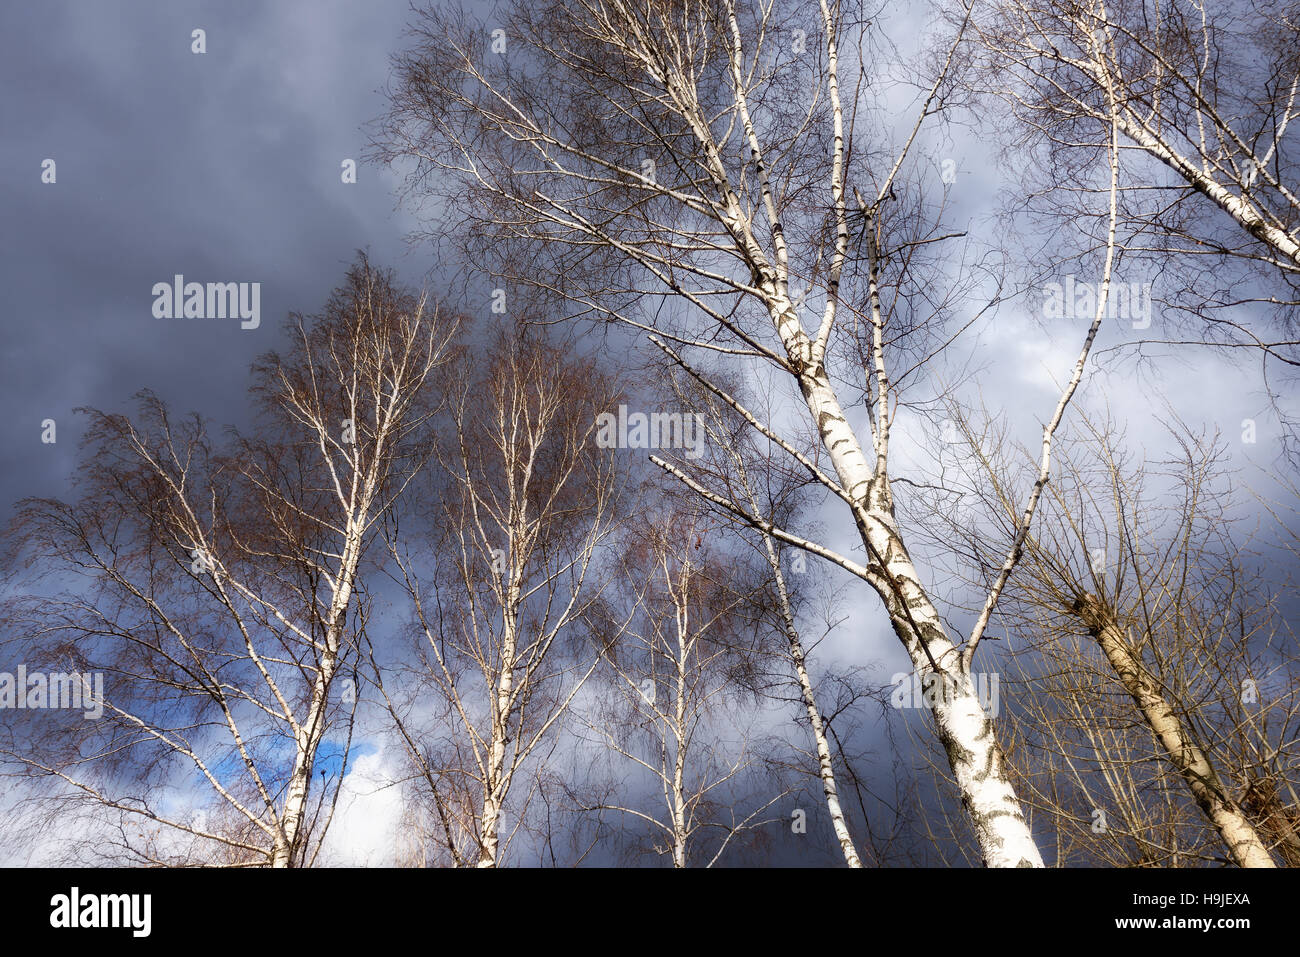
(1208, 91)
(1208, 112)
(754, 473)
(502, 606)
(1153, 676)
(216, 589)
(675, 711)
(799, 662)
(704, 172)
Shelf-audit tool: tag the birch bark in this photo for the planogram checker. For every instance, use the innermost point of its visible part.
(1239, 835)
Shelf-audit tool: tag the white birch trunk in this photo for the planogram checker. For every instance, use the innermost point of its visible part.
(825, 769)
(495, 778)
(312, 730)
(680, 832)
(494, 782)
(1239, 835)
(966, 732)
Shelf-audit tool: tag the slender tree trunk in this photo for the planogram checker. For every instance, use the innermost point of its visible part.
(1239, 835)
(312, 729)
(679, 757)
(1242, 212)
(308, 739)
(491, 826)
(825, 769)
(966, 732)
(494, 783)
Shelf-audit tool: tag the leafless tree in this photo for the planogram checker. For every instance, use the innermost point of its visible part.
(1151, 693)
(755, 472)
(217, 590)
(1207, 105)
(501, 605)
(675, 711)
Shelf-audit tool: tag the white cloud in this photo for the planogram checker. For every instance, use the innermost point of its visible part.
(365, 827)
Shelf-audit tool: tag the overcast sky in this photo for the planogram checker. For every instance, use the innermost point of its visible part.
(223, 167)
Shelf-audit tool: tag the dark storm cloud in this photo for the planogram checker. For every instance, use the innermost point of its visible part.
(223, 167)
